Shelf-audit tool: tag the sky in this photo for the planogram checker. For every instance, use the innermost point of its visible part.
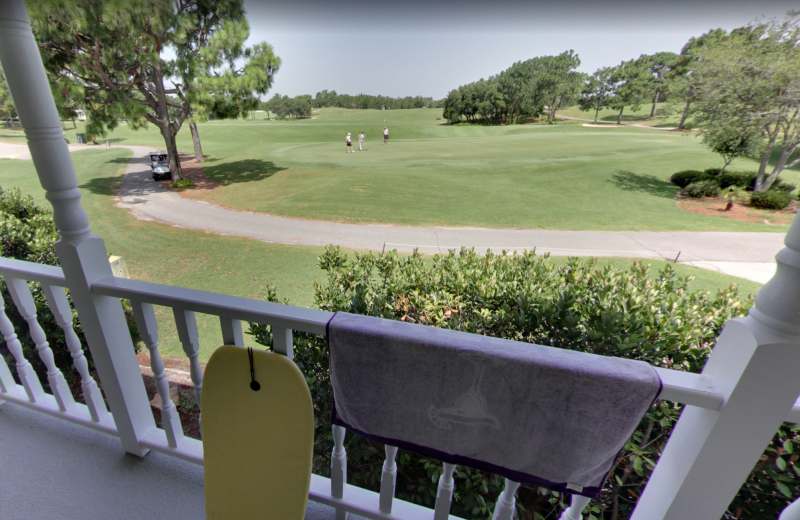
(413, 47)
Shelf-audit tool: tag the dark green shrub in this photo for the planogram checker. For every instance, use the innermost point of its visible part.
(183, 183)
(27, 232)
(687, 177)
(712, 172)
(780, 185)
(703, 189)
(744, 180)
(582, 305)
(772, 199)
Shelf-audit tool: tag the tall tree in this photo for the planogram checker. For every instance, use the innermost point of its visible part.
(556, 80)
(750, 82)
(682, 83)
(598, 91)
(631, 79)
(516, 86)
(114, 53)
(659, 65)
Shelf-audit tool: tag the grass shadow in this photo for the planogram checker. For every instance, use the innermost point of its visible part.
(102, 185)
(246, 170)
(650, 184)
(122, 160)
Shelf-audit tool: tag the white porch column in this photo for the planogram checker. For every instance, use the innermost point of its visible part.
(83, 256)
(755, 364)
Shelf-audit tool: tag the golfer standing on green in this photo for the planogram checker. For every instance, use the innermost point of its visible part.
(349, 144)
(385, 136)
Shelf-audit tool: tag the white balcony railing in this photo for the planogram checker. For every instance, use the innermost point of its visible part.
(747, 389)
(691, 389)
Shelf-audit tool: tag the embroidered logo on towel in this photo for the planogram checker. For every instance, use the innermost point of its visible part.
(470, 407)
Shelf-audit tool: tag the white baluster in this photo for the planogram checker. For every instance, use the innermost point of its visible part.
(792, 511)
(573, 512)
(148, 329)
(444, 495)
(231, 331)
(59, 306)
(6, 379)
(338, 468)
(21, 294)
(282, 341)
(31, 383)
(187, 333)
(82, 255)
(388, 480)
(504, 508)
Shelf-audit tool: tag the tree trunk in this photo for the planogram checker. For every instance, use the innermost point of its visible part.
(729, 206)
(685, 114)
(782, 158)
(619, 117)
(172, 153)
(597, 111)
(655, 102)
(168, 129)
(74, 126)
(762, 169)
(198, 150)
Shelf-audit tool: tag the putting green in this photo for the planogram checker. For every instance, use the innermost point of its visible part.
(563, 176)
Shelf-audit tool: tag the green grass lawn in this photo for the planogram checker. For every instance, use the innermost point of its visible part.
(564, 176)
(168, 255)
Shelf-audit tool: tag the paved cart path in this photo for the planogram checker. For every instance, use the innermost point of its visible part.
(748, 255)
(9, 150)
(611, 124)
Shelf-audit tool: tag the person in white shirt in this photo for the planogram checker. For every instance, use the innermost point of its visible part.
(349, 144)
(385, 136)
(361, 138)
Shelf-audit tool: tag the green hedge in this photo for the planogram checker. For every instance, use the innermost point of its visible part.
(772, 199)
(584, 306)
(27, 232)
(687, 177)
(744, 180)
(703, 189)
(780, 185)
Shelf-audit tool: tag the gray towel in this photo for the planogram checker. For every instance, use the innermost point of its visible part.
(538, 415)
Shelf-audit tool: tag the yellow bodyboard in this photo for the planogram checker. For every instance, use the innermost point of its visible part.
(257, 445)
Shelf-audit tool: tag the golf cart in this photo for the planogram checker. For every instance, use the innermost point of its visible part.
(160, 166)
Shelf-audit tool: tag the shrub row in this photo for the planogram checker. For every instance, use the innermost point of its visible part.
(583, 306)
(27, 232)
(708, 183)
(772, 199)
(702, 189)
(746, 180)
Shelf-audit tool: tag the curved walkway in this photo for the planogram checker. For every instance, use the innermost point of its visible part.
(20, 150)
(609, 124)
(748, 255)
